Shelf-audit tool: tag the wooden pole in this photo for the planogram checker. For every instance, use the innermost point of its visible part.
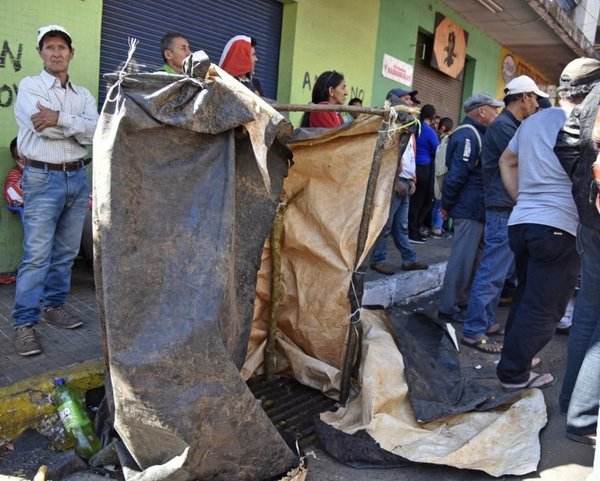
(355, 328)
(270, 365)
(341, 108)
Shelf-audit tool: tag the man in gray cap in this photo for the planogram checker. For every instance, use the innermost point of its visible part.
(577, 150)
(56, 120)
(462, 199)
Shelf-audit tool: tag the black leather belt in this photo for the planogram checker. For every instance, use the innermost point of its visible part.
(75, 165)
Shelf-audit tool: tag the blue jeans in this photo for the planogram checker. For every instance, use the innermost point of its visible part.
(55, 207)
(489, 280)
(581, 386)
(436, 217)
(547, 269)
(397, 225)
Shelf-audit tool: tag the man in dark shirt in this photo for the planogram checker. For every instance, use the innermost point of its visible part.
(521, 101)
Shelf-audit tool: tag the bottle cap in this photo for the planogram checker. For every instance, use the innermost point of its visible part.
(60, 381)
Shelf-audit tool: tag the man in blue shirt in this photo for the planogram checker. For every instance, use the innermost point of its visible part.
(421, 202)
(521, 101)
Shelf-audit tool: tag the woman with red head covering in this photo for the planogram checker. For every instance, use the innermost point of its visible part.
(239, 59)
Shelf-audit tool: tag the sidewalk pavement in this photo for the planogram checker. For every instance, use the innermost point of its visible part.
(26, 382)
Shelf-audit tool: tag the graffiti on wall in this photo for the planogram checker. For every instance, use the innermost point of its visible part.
(353, 91)
(10, 57)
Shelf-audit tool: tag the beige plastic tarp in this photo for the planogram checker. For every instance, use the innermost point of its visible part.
(500, 441)
(319, 247)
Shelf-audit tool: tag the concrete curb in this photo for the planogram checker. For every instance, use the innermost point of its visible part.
(28, 403)
(404, 287)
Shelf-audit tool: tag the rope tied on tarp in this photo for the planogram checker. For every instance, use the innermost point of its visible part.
(133, 43)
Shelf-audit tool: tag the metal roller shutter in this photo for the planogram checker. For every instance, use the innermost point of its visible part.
(436, 88)
(207, 24)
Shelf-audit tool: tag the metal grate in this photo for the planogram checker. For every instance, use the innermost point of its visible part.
(291, 406)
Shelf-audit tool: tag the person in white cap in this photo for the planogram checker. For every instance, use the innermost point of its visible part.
(497, 260)
(541, 232)
(56, 120)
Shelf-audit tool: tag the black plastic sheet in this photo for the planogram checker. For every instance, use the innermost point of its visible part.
(181, 215)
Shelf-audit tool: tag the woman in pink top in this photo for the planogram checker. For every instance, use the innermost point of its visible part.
(330, 88)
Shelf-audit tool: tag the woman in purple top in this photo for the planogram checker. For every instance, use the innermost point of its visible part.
(422, 199)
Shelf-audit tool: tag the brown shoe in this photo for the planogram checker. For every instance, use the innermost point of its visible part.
(414, 266)
(26, 343)
(60, 317)
(382, 268)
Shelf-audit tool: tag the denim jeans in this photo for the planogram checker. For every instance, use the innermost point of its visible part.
(595, 475)
(397, 225)
(581, 386)
(55, 207)
(436, 218)
(491, 274)
(547, 269)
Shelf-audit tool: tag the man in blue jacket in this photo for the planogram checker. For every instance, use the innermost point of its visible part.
(462, 199)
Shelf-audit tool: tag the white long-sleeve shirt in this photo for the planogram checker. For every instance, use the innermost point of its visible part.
(77, 119)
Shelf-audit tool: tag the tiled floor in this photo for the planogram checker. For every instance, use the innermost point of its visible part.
(62, 347)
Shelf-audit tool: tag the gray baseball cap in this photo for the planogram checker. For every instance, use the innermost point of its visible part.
(479, 100)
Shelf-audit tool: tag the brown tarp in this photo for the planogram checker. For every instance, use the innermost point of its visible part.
(320, 232)
(181, 215)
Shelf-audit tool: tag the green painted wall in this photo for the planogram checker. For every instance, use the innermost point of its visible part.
(19, 22)
(322, 35)
(397, 36)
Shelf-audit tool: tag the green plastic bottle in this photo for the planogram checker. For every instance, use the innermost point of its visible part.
(75, 420)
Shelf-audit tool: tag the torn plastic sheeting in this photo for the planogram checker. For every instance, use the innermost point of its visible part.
(181, 214)
(500, 441)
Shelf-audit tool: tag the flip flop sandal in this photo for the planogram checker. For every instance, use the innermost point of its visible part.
(535, 380)
(483, 345)
(495, 330)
